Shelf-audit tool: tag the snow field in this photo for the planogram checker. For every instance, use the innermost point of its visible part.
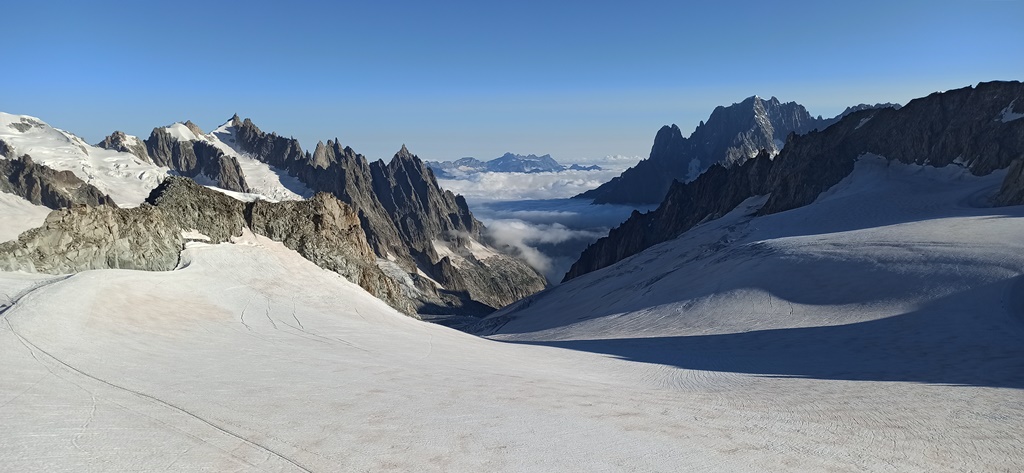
(876, 330)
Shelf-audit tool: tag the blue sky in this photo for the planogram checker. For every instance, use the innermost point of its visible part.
(575, 79)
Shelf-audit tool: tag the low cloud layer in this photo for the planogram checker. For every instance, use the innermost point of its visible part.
(549, 234)
(532, 214)
(508, 186)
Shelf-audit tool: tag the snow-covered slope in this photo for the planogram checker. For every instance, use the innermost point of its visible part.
(871, 331)
(124, 176)
(250, 358)
(121, 175)
(889, 238)
(18, 215)
(262, 178)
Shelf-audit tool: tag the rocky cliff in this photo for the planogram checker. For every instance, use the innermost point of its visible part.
(406, 218)
(968, 127)
(42, 185)
(731, 136)
(151, 236)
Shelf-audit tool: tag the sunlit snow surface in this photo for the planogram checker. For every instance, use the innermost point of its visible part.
(876, 330)
(125, 177)
(120, 175)
(18, 215)
(263, 179)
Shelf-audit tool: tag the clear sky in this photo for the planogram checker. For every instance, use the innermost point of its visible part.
(577, 79)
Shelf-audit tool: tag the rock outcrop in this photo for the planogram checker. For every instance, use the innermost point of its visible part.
(6, 149)
(731, 136)
(962, 127)
(119, 141)
(82, 238)
(42, 185)
(150, 237)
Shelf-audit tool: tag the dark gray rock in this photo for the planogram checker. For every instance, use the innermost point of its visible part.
(1012, 190)
(194, 159)
(959, 126)
(857, 108)
(118, 141)
(42, 185)
(6, 149)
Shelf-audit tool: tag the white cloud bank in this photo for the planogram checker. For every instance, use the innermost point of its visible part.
(507, 186)
(532, 213)
(549, 234)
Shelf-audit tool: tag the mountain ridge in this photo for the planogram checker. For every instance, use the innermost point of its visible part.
(416, 230)
(957, 126)
(508, 162)
(730, 136)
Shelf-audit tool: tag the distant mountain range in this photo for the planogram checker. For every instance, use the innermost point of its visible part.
(732, 135)
(507, 162)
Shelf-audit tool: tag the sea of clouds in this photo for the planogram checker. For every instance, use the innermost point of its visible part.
(534, 215)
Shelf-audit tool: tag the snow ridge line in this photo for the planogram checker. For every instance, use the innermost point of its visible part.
(159, 401)
(11, 301)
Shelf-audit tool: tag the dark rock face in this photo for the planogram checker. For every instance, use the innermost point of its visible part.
(118, 141)
(45, 186)
(857, 108)
(149, 237)
(195, 158)
(731, 135)
(404, 214)
(961, 126)
(1012, 191)
(5, 149)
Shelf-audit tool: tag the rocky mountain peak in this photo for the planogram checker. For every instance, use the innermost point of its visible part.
(194, 128)
(404, 153)
(405, 216)
(119, 141)
(235, 121)
(731, 135)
